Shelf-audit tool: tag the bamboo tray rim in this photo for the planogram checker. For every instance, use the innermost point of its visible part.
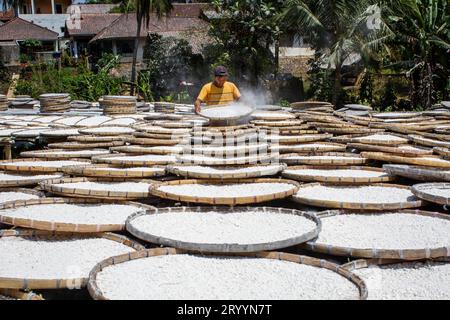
(56, 186)
(224, 247)
(357, 205)
(106, 159)
(331, 179)
(97, 294)
(8, 165)
(29, 283)
(400, 254)
(25, 182)
(92, 170)
(420, 161)
(225, 200)
(47, 225)
(421, 191)
(265, 170)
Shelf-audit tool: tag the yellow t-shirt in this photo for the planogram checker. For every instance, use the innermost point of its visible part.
(212, 95)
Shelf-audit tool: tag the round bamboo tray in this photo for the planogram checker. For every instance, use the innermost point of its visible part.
(345, 131)
(96, 139)
(305, 105)
(227, 151)
(155, 142)
(56, 186)
(428, 174)
(429, 161)
(264, 158)
(134, 160)
(107, 131)
(160, 135)
(296, 139)
(107, 171)
(97, 293)
(445, 152)
(223, 247)
(220, 173)
(395, 141)
(32, 192)
(173, 124)
(368, 253)
(278, 123)
(336, 179)
(245, 111)
(14, 165)
(61, 154)
(422, 191)
(161, 150)
(396, 115)
(318, 147)
(76, 145)
(30, 283)
(30, 180)
(232, 201)
(272, 115)
(59, 133)
(56, 226)
(160, 130)
(21, 295)
(325, 159)
(404, 150)
(410, 203)
(429, 142)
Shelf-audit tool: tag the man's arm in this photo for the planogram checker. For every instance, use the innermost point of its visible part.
(197, 105)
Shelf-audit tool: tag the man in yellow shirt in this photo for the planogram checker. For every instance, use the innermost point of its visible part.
(218, 92)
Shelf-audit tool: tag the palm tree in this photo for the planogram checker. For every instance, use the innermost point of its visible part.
(144, 9)
(338, 29)
(12, 4)
(422, 36)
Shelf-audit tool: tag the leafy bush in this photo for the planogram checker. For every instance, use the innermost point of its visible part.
(80, 82)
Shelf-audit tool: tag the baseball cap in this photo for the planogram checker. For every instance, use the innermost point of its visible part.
(220, 71)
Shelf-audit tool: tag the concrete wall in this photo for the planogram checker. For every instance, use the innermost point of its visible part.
(9, 53)
(53, 22)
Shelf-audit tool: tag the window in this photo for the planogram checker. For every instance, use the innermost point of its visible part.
(58, 8)
(24, 9)
(125, 47)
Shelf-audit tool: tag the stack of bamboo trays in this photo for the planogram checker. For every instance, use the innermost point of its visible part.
(118, 105)
(54, 102)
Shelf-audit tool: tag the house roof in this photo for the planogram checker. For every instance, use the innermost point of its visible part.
(94, 8)
(90, 24)
(19, 29)
(126, 26)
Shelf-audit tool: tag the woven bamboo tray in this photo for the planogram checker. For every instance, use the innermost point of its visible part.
(161, 150)
(223, 247)
(97, 294)
(325, 159)
(337, 180)
(246, 112)
(21, 295)
(264, 158)
(445, 152)
(27, 284)
(107, 131)
(429, 161)
(160, 130)
(96, 139)
(422, 191)
(227, 151)
(56, 186)
(272, 115)
(396, 115)
(382, 142)
(398, 254)
(134, 160)
(428, 174)
(297, 139)
(173, 124)
(14, 165)
(411, 203)
(31, 180)
(418, 151)
(345, 131)
(23, 190)
(60, 133)
(232, 201)
(429, 142)
(62, 226)
(305, 105)
(279, 123)
(161, 136)
(318, 147)
(107, 171)
(61, 154)
(76, 145)
(218, 174)
(154, 142)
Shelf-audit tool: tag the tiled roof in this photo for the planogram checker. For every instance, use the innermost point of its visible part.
(90, 24)
(19, 29)
(126, 26)
(96, 8)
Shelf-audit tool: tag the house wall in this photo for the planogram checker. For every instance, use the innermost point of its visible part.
(45, 6)
(54, 22)
(9, 53)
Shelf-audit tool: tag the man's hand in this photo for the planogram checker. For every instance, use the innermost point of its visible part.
(198, 108)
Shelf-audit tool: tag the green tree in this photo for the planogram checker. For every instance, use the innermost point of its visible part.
(339, 30)
(421, 42)
(144, 10)
(244, 32)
